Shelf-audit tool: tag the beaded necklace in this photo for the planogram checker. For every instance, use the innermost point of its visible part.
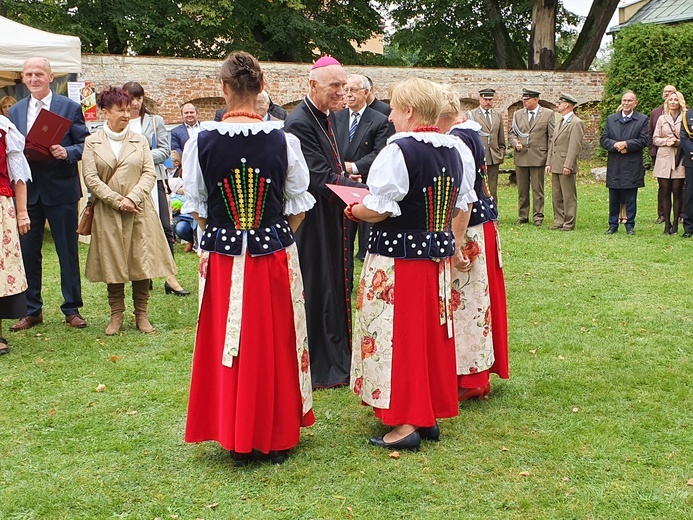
(251, 115)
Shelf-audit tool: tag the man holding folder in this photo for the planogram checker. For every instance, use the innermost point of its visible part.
(53, 194)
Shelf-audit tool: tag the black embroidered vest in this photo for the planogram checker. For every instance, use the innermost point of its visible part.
(244, 176)
(485, 208)
(423, 229)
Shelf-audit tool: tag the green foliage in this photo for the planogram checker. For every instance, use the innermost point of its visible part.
(457, 33)
(276, 30)
(645, 59)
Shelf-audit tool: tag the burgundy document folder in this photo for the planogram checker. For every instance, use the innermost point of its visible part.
(49, 129)
(348, 194)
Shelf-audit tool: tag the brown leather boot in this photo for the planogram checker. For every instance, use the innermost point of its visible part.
(140, 297)
(116, 300)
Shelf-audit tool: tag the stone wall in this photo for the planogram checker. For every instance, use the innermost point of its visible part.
(170, 82)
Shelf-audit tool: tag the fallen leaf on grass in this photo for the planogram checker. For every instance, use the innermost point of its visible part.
(504, 449)
(244, 497)
(101, 387)
(690, 482)
(52, 412)
(39, 360)
(583, 329)
(565, 479)
(350, 509)
(90, 404)
(532, 351)
(394, 455)
(114, 358)
(212, 506)
(561, 358)
(535, 323)
(525, 473)
(338, 497)
(38, 334)
(576, 410)
(132, 412)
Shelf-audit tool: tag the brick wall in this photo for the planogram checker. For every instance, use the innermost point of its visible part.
(170, 82)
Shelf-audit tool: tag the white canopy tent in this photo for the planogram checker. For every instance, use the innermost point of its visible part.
(20, 42)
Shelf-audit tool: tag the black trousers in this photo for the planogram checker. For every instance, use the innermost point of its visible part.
(63, 223)
(688, 203)
(629, 197)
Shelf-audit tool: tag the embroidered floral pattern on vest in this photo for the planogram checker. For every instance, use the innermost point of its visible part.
(440, 199)
(244, 193)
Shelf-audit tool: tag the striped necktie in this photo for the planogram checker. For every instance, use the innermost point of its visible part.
(354, 124)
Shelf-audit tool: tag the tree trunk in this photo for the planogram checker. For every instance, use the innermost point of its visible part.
(542, 37)
(507, 56)
(590, 39)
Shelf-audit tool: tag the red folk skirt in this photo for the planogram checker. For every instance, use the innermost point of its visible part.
(424, 371)
(256, 403)
(499, 314)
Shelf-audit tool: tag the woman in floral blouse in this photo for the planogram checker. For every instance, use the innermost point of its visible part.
(405, 366)
(14, 174)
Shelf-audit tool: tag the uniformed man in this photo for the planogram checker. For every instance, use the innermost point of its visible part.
(529, 135)
(492, 135)
(564, 150)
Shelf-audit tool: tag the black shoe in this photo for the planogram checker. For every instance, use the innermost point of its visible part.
(432, 433)
(687, 234)
(538, 223)
(278, 456)
(4, 349)
(170, 290)
(674, 230)
(240, 459)
(521, 221)
(611, 231)
(660, 220)
(630, 232)
(410, 442)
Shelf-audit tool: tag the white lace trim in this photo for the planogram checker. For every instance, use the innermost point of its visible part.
(298, 203)
(433, 138)
(241, 128)
(468, 124)
(18, 167)
(382, 205)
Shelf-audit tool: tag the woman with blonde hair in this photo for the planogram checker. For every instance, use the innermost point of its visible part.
(5, 104)
(481, 323)
(669, 172)
(403, 361)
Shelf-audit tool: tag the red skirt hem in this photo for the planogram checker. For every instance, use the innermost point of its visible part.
(499, 308)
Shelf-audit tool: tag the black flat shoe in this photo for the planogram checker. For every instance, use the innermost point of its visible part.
(171, 290)
(4, 349)
(611, 231)
(410, 442)
(278, 456)
(630, 232)
(432, 433)
(240, 459)
(687, 234)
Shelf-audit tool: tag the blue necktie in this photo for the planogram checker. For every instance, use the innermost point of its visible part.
(354, 124)
(626, 119)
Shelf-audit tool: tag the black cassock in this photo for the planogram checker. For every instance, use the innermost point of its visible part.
(323, 250)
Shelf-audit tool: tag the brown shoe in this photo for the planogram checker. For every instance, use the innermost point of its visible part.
(27, 322)
(188, 247)
(76, 321)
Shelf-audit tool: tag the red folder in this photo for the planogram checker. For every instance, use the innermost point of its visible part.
(348, 194)
(49, 129)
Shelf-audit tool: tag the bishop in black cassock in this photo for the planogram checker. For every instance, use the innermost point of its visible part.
(321, 239)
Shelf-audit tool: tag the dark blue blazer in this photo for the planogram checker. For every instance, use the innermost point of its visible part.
(55, 182)
(179, 136)
(370, 137)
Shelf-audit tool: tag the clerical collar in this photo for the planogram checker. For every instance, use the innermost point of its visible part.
(313, 108)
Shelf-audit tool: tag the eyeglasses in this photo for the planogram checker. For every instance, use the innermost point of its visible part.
(349, 89)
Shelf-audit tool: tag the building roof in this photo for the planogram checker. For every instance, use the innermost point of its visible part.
(659, 12)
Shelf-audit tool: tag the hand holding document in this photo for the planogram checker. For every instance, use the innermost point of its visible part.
(48, 130)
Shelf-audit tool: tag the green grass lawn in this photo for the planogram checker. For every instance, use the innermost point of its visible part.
(595, 422)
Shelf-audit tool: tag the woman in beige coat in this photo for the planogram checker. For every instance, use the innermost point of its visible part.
(669, 175)
(127, 238)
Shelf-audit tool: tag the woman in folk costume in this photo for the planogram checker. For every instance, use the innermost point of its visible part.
(246, 185)
(478, 291)
(403, 362)
(14, 174)
(126, 238)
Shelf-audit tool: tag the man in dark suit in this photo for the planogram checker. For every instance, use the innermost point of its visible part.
(52, 195)
(687, 153)
(361, 133)
(624, 137)
(189, 128)
(377, 105)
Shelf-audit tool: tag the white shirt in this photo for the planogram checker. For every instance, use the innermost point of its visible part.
(35, 106)
(192, 130)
